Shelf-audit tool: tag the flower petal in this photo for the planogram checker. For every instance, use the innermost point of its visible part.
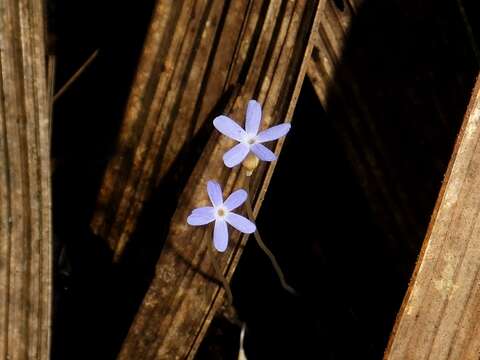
(253, 117)
(263, 153)
(220, 235)
(215, 193)
(235, 155)
(201, 216)
(206, 211)
(240, 223)
(229, 128)
(235, 199)
(274, 133)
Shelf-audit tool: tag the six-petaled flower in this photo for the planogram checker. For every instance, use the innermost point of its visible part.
(250, 140)
(221, 213)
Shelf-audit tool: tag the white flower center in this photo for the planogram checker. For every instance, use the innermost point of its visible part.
(250, 140)
(221, 212)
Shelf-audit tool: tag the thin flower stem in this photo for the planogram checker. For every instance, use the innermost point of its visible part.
(220, 275)
(75, 75)
(267, 251)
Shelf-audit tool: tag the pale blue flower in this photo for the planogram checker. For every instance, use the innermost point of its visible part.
(221, 213)
(250, 140)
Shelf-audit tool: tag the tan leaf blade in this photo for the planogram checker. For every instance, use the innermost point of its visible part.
(439, 315)
(182, 298)
(25, 208)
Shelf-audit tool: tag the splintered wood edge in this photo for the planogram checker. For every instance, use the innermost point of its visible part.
(468, 118)
(218, 297)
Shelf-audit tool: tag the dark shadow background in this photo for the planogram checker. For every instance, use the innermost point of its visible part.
(412, 64)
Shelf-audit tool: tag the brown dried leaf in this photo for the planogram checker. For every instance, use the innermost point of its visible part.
(25, 208)
(182, 298)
